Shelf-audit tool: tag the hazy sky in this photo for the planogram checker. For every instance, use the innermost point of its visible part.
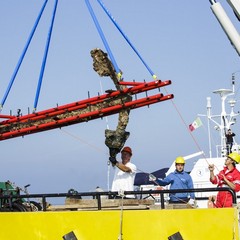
(180, 41)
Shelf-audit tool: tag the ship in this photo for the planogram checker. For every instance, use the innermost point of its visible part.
(91, 214)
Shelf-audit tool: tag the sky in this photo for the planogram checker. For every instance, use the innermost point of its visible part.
(179, 41)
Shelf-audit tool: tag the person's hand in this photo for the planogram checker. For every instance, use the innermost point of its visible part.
(152, 178)
(211, 167)
(191, 202)
(224, 178)
(113, 160)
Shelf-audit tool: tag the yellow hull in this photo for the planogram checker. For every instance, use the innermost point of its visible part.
(193, 224)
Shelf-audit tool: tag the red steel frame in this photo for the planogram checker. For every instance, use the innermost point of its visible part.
(53, 112)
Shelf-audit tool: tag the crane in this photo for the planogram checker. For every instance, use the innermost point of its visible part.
(226, 23)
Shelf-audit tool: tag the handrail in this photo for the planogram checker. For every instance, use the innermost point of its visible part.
(97, 195)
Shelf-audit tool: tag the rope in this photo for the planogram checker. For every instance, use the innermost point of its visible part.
(22, 56)
(85, 142)
(121, 194)
(185, 124)
(126, 38)
(45, 57)
(96, 149)
(101, 88)
(108, 163)
(234, 225)
(149, 174)
(193, 138)
(101, 150)
(103, 38)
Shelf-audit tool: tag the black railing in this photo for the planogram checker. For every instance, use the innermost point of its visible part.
(111, 195)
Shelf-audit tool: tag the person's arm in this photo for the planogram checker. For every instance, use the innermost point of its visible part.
(163, 182)
(230, 184)
(123, 167)
(211, 169)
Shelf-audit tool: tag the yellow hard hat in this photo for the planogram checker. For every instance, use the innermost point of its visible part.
(180, 160)
(235, 157)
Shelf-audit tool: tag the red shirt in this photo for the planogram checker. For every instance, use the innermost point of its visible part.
(224, 199)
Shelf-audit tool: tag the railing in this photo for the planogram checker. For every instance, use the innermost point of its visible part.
(97, 195)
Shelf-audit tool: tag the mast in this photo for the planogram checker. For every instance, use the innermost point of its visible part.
(226, 119)
(224, 123)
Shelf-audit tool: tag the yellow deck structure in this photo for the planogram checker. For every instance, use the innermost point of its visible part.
(159, 224)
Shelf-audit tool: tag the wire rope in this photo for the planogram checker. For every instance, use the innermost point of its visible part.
(85, 142)
(190, 133)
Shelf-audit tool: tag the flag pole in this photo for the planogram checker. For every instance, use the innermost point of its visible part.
(208, 124)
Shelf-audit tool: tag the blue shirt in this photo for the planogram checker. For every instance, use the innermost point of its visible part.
(178, 180)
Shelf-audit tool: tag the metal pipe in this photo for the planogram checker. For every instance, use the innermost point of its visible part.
(227, 25)
(98, 195)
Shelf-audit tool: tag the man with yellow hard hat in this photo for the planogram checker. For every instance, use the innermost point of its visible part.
(179, 179)
(228, 177)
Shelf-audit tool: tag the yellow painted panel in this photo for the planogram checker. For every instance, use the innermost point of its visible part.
(193, 224)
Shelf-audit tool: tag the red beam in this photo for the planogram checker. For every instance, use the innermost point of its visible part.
(53, 120)
(86, 116)
(7, 116)
(83, 103)
(130, 83)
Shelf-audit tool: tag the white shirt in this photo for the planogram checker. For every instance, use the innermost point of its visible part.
(124, 181)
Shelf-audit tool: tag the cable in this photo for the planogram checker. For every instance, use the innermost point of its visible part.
(95, 148)
(185, 124)
(83, 141)
(120, 237)
(101, 89)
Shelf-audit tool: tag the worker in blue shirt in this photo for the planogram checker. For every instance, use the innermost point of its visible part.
(179, 179)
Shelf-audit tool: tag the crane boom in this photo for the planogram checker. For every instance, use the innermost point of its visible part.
(226, 23)
(235, 5)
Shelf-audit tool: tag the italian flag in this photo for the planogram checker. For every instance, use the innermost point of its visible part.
(196, 124)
